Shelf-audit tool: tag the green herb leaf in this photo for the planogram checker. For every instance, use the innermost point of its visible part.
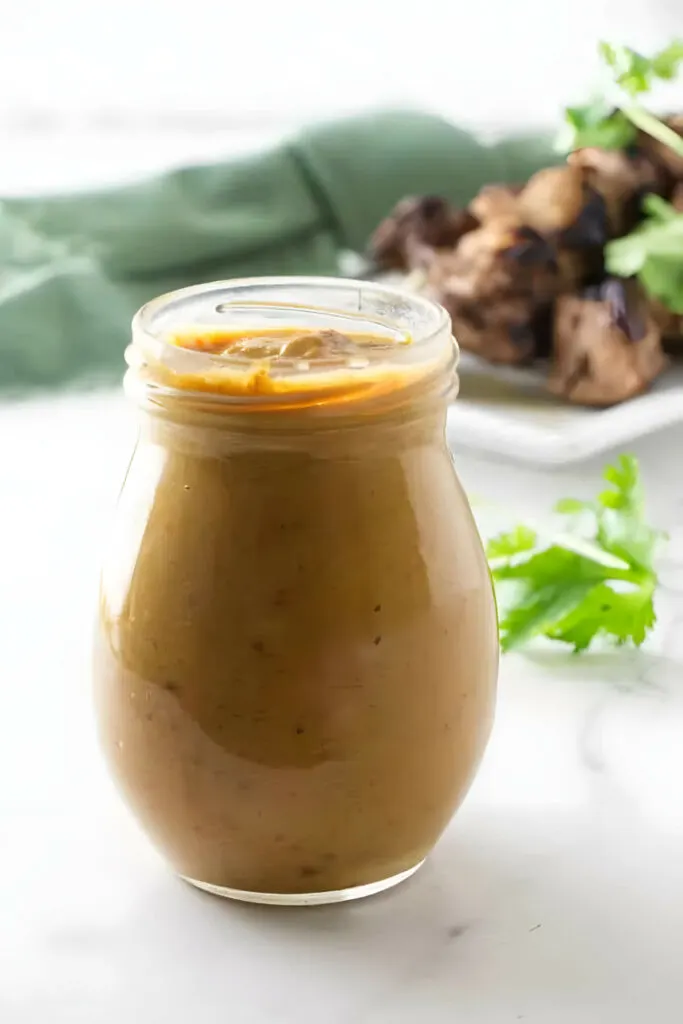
(663, 279)
(537, 611)
(667, 62)
(570, 506)
(625, 490)
(598, 124)
(624, 615)
(634, 72)
(653, 253)
(622, 530)
(506, 544)
(657, 208)
(575, 589)
(612, 122)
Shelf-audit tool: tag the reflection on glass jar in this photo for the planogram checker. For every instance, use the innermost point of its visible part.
(296, 656)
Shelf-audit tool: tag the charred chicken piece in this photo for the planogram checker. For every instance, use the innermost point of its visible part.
(552, 199)
(558, 205)
(497, 202)
(590, 230)
(670, 325)
(429, 221)
(622, 179)
(551, 202)
(606, 345)
(493, 284)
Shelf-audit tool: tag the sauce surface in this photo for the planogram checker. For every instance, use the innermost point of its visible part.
(329, 365)
(287, 344)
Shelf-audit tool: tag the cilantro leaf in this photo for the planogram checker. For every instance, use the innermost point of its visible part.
(612, 121)
(654, 253)
(520, 539)
(598, 124)
(624, 614)
(574, 589)
(537, 611)
(663, 279)
(625, 490)
(635, 73)
(622, 530)
(657, 208)
(570, 506)
(667, 62)
(632, 71)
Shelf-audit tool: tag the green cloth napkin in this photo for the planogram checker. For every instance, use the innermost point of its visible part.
(74, 268)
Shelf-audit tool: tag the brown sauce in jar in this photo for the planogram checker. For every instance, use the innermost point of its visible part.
(297, 649)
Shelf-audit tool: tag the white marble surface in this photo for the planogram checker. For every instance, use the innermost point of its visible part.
(555, 897)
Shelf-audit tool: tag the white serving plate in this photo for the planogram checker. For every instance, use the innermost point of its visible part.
(507, 411)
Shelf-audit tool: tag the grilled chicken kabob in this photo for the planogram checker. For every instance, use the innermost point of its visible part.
(522, 270)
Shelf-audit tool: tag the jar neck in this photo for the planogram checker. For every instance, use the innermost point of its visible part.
(412, 413)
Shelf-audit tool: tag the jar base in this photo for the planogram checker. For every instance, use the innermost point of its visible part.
(305, 899)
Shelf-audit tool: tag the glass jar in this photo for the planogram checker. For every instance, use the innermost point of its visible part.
(297, 650)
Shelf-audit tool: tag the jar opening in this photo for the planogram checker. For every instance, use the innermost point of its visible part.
(286, 342)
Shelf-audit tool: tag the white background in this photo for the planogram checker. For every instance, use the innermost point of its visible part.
(91, 92)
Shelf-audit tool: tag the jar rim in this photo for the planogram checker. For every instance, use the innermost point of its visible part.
(420, 328)
(143, 319)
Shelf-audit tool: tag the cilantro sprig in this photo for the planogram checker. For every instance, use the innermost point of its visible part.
(612, 119)
(653, 253)
(594, 578)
